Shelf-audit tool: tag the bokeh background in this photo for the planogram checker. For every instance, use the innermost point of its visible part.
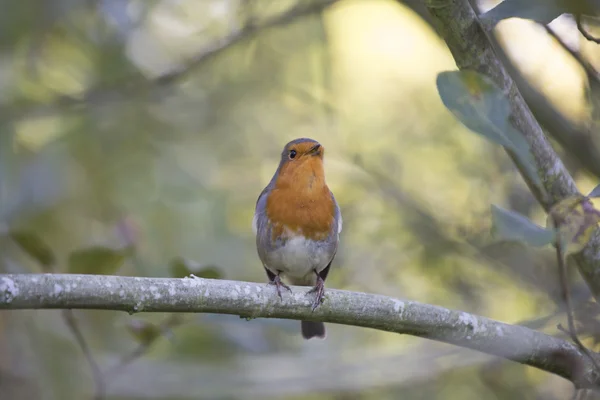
(147, 129)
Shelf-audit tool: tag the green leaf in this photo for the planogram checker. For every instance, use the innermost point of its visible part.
(181, 267)
(96, 260)
(541, 11)
(482, 107)
(476, 102)
(511, 226)
(35, 247)
(595, 192)
(521, 150)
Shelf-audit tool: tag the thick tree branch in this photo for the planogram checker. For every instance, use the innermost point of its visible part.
(577, 139)
(459, 26)
(255, 300)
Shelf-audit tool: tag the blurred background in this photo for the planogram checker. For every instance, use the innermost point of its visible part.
(135, 137)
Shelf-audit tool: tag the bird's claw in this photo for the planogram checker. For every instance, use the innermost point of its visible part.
(278, 285)
(319, 290)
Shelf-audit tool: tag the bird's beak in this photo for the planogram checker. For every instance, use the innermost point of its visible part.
(315, 150)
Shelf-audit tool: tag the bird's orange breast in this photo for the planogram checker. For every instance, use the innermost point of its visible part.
(300, 202)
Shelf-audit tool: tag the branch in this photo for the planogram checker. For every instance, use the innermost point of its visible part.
(135, 85)
(576, 139)
(254, 300)
(300, 9)
(164, 328)
(590, 70)
(566, 295)
(459, 26)
(96, 373)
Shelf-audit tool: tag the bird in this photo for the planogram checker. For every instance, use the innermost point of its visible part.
(297, 223)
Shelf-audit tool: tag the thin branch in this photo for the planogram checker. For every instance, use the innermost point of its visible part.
(581, 394)
(165, 327)
(584, 32)
(135, 85)
(96, 373)
(564, 285)
(237, 35)
(589, 69)
(137, 353)
(255, 300)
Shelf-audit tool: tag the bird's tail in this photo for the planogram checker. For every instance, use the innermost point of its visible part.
(310, 329)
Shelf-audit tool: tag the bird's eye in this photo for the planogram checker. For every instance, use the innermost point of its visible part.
(292, 154)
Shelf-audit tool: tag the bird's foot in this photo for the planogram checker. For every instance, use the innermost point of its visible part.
(278, 285)
(319, 290)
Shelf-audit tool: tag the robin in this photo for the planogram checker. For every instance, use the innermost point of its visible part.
(297, 223)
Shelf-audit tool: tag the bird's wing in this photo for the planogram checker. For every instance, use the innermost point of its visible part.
(338, 215)
(259, 210)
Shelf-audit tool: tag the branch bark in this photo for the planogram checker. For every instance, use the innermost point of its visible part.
(458, 24)
(254, 300)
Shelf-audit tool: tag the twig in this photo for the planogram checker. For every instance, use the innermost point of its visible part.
(581, 394)
(589, 69)
(584, 32)
(71, 323)
(138, 352)
(242, 33)
(169, 323)
(96, 373)
(562, 273)
(134, 85)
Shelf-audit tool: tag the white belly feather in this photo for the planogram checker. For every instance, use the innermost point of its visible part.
(299, 256)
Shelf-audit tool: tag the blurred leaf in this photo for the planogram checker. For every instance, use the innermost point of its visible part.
(143, 332)
(595, 192)
(181, 267)
(576, 219)
(475, 101)
(173, 321)
(541, 11)
(96, 260)
(509, 225)
(482, 107)
(35, 247)
(210, 272)
(178, 268)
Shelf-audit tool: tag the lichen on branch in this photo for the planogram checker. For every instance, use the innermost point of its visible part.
(256, 300)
